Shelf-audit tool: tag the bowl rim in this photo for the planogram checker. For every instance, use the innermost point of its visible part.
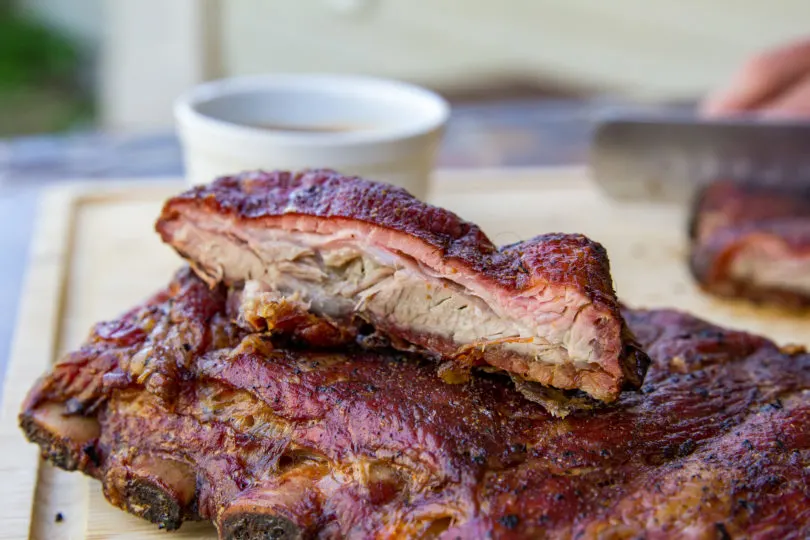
(187, 115)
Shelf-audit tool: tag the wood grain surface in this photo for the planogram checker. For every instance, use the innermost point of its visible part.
(96, 255)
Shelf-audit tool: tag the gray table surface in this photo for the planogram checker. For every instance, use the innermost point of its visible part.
(522, 133)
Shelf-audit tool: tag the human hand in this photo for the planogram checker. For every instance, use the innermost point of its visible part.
(775, 83)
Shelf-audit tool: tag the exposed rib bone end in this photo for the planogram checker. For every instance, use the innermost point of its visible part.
(287, 507)
(157, 490)
(247, 526)
(67, 441)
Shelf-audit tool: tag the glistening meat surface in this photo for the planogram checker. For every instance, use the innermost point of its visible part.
(293, 444)
(359, 253)
(753, 241)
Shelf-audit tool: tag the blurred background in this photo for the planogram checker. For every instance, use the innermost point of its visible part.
(116, 65)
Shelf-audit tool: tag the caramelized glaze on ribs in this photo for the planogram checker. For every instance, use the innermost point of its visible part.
(278, 443)
(359, 252)
(753, 241)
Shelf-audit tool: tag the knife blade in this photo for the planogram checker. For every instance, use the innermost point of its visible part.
(666, 159)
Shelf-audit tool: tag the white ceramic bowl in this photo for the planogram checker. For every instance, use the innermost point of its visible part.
(376, 128)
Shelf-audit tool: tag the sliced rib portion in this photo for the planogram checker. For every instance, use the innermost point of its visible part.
(362, 253)
(277, 443)
(753, 241)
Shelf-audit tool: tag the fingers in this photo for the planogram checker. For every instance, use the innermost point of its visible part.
(795, 102)
(762, 79)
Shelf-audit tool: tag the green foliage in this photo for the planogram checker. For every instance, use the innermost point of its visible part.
(39, 90)
(34, 55)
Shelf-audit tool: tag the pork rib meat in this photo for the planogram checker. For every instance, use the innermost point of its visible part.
(183, 415)
(362, 254)
(753, 241)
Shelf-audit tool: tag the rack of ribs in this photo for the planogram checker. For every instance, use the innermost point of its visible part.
(387, 269)
(753, 241)
(183, 414)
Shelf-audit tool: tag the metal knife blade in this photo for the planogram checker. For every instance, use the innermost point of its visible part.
(667, 159)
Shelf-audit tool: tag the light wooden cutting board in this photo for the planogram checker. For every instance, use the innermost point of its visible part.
(95, 255)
